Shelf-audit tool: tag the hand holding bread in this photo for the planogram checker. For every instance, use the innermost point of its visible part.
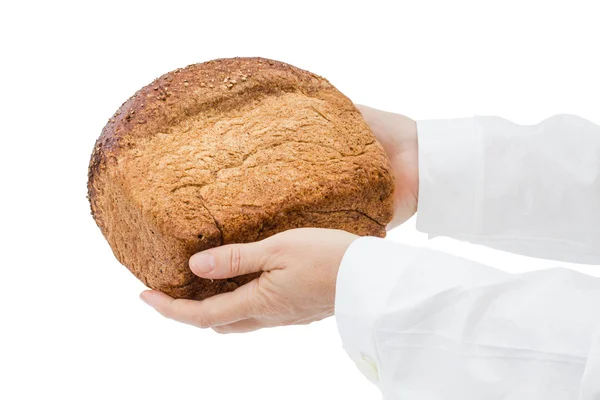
(296, 286)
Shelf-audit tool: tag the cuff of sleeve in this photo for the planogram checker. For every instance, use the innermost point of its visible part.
(450, 177)
(369, 271)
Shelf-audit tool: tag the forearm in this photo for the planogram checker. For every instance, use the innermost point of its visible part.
(533, 190)
(432, 324)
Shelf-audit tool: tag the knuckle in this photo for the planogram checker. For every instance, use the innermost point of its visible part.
(202, 322)
(206, 318)
(254, 300)
(235, 260)
(263, 302)
(274, 246)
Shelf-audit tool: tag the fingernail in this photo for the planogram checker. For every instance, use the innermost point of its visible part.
(202, 262)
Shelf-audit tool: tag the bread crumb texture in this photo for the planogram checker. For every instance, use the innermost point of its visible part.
(231, 151)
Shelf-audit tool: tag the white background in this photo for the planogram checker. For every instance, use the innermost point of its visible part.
(72, 326)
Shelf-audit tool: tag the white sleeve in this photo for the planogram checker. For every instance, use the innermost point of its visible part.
(425, 325)
(532, 190)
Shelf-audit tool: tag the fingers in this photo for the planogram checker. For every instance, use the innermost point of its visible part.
(229, 261)
(177, 309)
(243, 326)
(222, 309)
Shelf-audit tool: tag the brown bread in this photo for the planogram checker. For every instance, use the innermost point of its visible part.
(232, 150)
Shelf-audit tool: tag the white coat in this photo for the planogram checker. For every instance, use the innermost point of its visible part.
(421, 324)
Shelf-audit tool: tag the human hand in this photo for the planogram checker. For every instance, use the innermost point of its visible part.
(398, 136)
(297, 285)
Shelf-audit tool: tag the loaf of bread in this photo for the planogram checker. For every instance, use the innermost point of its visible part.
(229, 151)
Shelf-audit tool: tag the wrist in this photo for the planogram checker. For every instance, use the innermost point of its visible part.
(410, 154)
(404, 159)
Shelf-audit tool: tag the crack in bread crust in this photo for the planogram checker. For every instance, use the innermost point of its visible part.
(352, 211)
(216, 222)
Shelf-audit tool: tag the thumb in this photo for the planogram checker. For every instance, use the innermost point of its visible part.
(229, 261)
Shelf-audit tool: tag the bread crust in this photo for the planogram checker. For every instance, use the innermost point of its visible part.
(230, 151)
